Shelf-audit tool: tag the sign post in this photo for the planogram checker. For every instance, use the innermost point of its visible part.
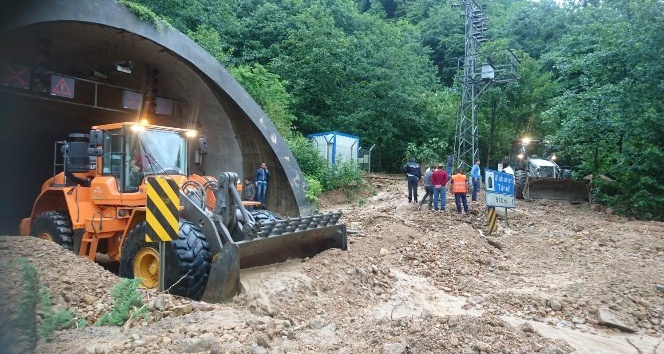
(499, 193)
(162, 217)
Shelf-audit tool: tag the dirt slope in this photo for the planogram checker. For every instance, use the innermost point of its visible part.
(412, 281)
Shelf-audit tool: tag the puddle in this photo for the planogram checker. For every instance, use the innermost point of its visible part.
(586, 343)
(415, 295)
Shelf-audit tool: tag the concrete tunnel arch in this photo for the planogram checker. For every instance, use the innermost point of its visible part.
(85, 38)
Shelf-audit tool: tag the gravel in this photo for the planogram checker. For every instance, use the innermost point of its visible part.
(411, 282)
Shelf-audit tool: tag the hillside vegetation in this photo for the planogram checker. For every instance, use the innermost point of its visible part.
(590, 78)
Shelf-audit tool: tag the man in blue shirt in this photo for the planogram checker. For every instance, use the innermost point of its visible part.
(475, 175)
(262, 175)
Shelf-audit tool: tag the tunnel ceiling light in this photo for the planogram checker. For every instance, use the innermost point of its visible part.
(526, 141)
(124, 66)
(190, 133)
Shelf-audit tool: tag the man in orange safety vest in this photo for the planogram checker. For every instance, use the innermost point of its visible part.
(460, 189)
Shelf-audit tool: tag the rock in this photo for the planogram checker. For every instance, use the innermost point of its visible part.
(262, 340)
(138, 343)
(527, 327)
(197, 345)
(384, 252)
(317, 323)
(89, 299)
(578, 320)
(495, 243)
(454, 340)
(105, 348)
(71, 298)
(182, 310)
(395, 348)
(255, 349)
(556, 305)
(159, 303)
(609, 319)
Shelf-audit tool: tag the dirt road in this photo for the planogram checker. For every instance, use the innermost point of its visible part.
(557, 278)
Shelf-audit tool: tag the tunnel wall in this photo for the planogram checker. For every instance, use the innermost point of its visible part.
(239, 133)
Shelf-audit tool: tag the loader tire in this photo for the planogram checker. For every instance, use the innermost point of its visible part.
(54, 226)
(520, 177)
(187, 265)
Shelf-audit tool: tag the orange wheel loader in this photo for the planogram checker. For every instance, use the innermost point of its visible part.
(97, 199)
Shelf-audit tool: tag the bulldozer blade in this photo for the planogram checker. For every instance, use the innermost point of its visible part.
(224, 279)
(299, 244)
(557, 189)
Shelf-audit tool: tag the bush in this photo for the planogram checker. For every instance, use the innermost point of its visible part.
(307, 156)
(34, 297)
(25, 321)
(314, 189)
(343, 174)
(128, 303)
(53, 320)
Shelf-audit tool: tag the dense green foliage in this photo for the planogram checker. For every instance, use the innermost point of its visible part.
(590, 79)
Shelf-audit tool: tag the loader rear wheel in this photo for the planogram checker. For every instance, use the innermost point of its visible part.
(54, 226)
(520, 177)
(188, 260)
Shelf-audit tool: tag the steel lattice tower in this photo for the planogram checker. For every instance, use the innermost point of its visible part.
(475, 81)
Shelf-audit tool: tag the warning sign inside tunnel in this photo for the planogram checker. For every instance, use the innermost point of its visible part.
(62, 86)
(15, 75)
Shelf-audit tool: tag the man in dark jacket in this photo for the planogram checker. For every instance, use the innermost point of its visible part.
(249, 192)
(413, 175)
(428, 187)
(262, 175)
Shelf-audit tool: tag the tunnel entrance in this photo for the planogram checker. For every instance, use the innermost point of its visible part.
(59, 79)
(67, 65)
(28, 132)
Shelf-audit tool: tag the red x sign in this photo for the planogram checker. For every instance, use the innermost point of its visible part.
(16, 75)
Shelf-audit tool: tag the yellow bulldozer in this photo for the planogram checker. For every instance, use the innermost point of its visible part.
(538, 176)
(97, 203)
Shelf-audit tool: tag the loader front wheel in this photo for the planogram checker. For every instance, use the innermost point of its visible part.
(187, 265)
(188, 262)
(54, 226)
(140, 259)
(520, 177)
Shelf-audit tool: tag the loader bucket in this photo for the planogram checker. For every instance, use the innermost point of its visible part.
(224, 278)
(238, 238)
(557, 189)
(273, 249)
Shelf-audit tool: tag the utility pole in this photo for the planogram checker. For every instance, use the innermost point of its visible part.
(475, 82)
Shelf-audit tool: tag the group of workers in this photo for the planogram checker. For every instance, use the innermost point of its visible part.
(436, 178)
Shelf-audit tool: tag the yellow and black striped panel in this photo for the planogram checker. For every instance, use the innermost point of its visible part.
(162, 215)
(493, 222)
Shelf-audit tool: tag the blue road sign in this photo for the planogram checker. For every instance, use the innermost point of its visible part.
(499, 189)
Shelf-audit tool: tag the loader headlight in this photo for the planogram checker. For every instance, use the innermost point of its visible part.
(137, 128)
(526, 141)
(553, 157)
(520, 156)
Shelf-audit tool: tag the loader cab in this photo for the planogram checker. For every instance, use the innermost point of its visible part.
(133, 151)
